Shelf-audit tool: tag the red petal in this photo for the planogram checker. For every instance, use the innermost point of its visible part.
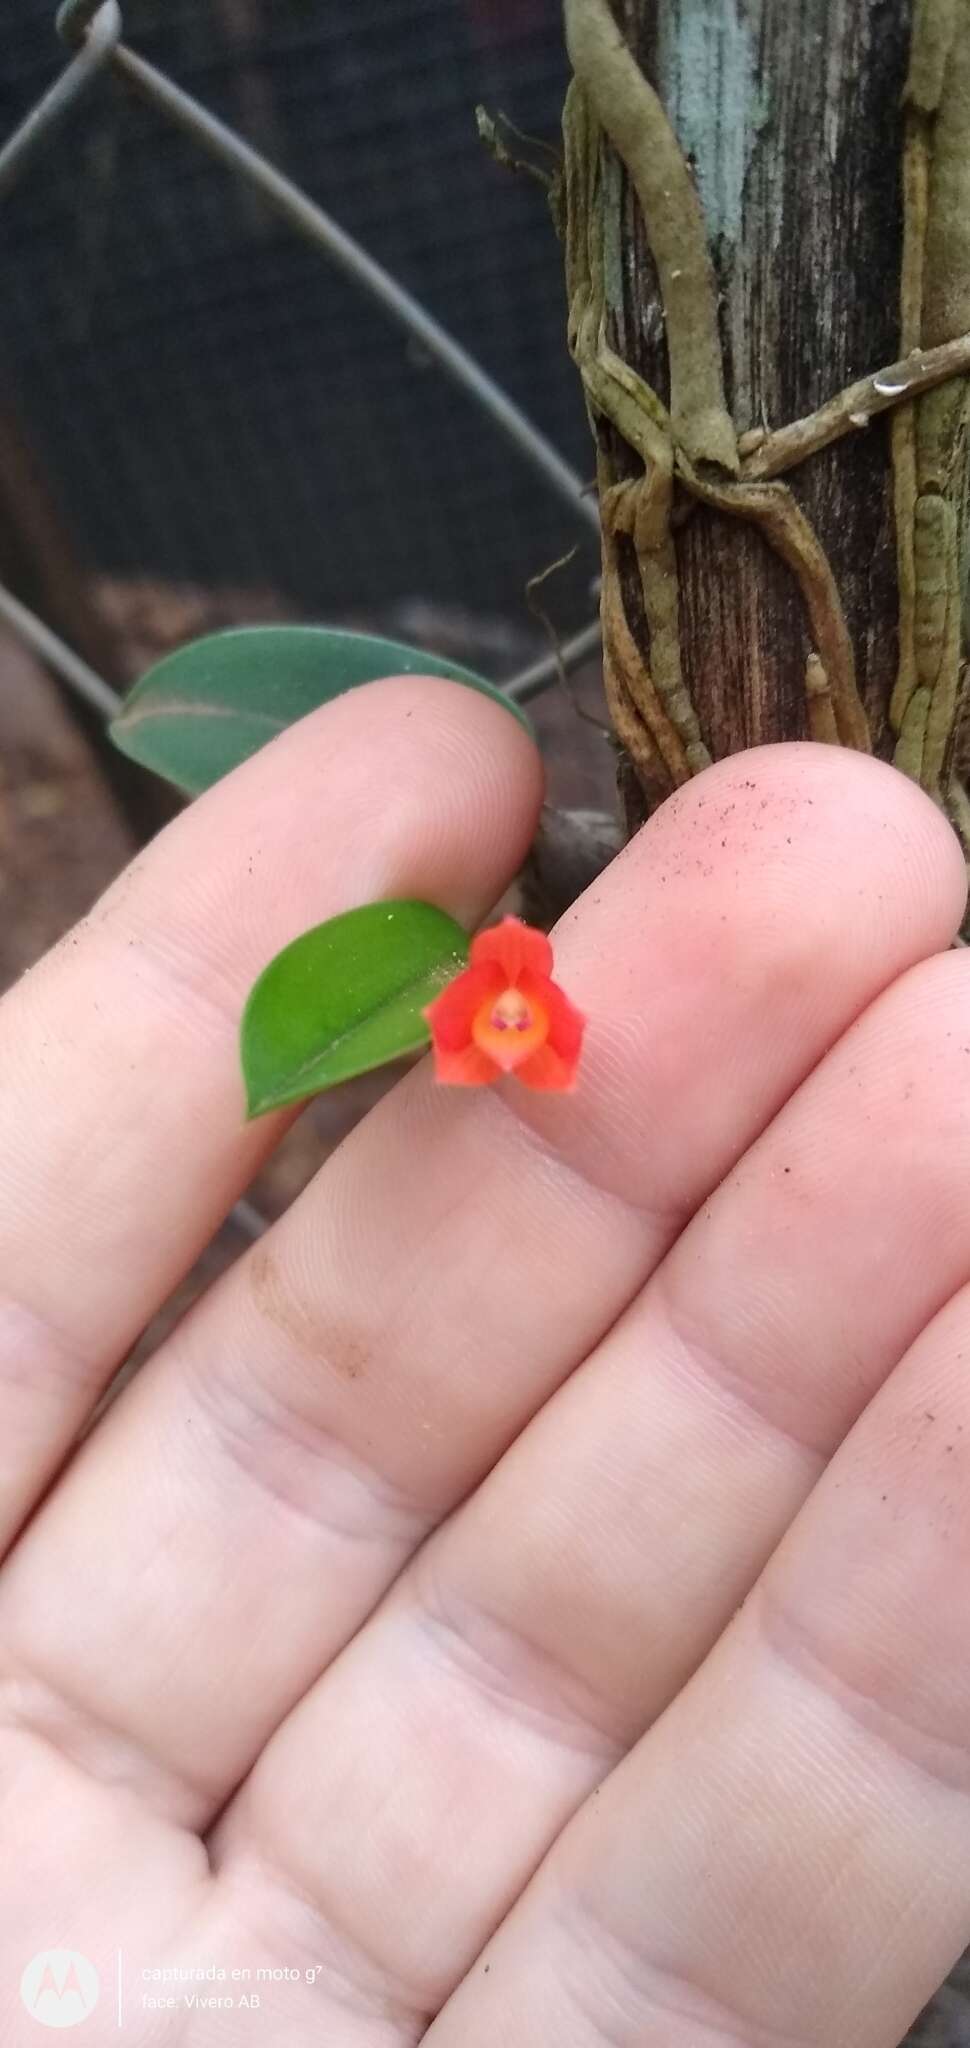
(548, 1070)
(566, 1023)
(468, 1068)
(450, 1015)
(516, 948)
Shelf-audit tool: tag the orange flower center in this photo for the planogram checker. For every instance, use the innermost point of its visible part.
(509, 1027)
(511, 1012)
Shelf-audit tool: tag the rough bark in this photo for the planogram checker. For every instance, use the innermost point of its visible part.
(793, 118)
(827, 606)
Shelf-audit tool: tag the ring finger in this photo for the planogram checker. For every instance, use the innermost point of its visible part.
(784, 1856)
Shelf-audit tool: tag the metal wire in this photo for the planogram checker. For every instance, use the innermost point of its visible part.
(74, 18)
(95, 27)
(84, 19)
(521, 688)
(311, 221)
(62, 659)
(248, 1220)
(95, 52)
(530, 682)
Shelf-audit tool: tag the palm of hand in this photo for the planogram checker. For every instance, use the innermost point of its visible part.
(512, 1607)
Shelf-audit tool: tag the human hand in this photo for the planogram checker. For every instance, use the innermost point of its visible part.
(524, 1602)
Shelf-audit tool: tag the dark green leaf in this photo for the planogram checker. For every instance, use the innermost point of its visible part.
(202, 710)
(345, 997)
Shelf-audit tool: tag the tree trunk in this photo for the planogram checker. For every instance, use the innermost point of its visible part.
(797, 219)
(826, 604)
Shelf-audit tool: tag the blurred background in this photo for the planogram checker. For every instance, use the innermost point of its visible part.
(212, 403)
(203, 422)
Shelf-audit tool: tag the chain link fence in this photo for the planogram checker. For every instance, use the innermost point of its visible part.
(370, 419)
(214, 402)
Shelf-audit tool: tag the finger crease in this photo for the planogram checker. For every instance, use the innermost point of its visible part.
(185, 971)
(352, 1973)
(618, 1987)
(945, 1763)
(511, 1672)
(34, 1705)
(668, 1222)
(716, 1373)
(29, 1343)
(304, 1468)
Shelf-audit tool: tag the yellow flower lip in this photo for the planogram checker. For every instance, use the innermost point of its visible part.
(509, 1027)
(511, 1012)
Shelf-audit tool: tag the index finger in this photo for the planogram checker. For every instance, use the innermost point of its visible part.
(122, 1138)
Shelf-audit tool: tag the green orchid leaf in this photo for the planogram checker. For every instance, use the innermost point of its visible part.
(194, 716)
(344, 998)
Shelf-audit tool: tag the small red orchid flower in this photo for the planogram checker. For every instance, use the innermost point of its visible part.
(504, 1015)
